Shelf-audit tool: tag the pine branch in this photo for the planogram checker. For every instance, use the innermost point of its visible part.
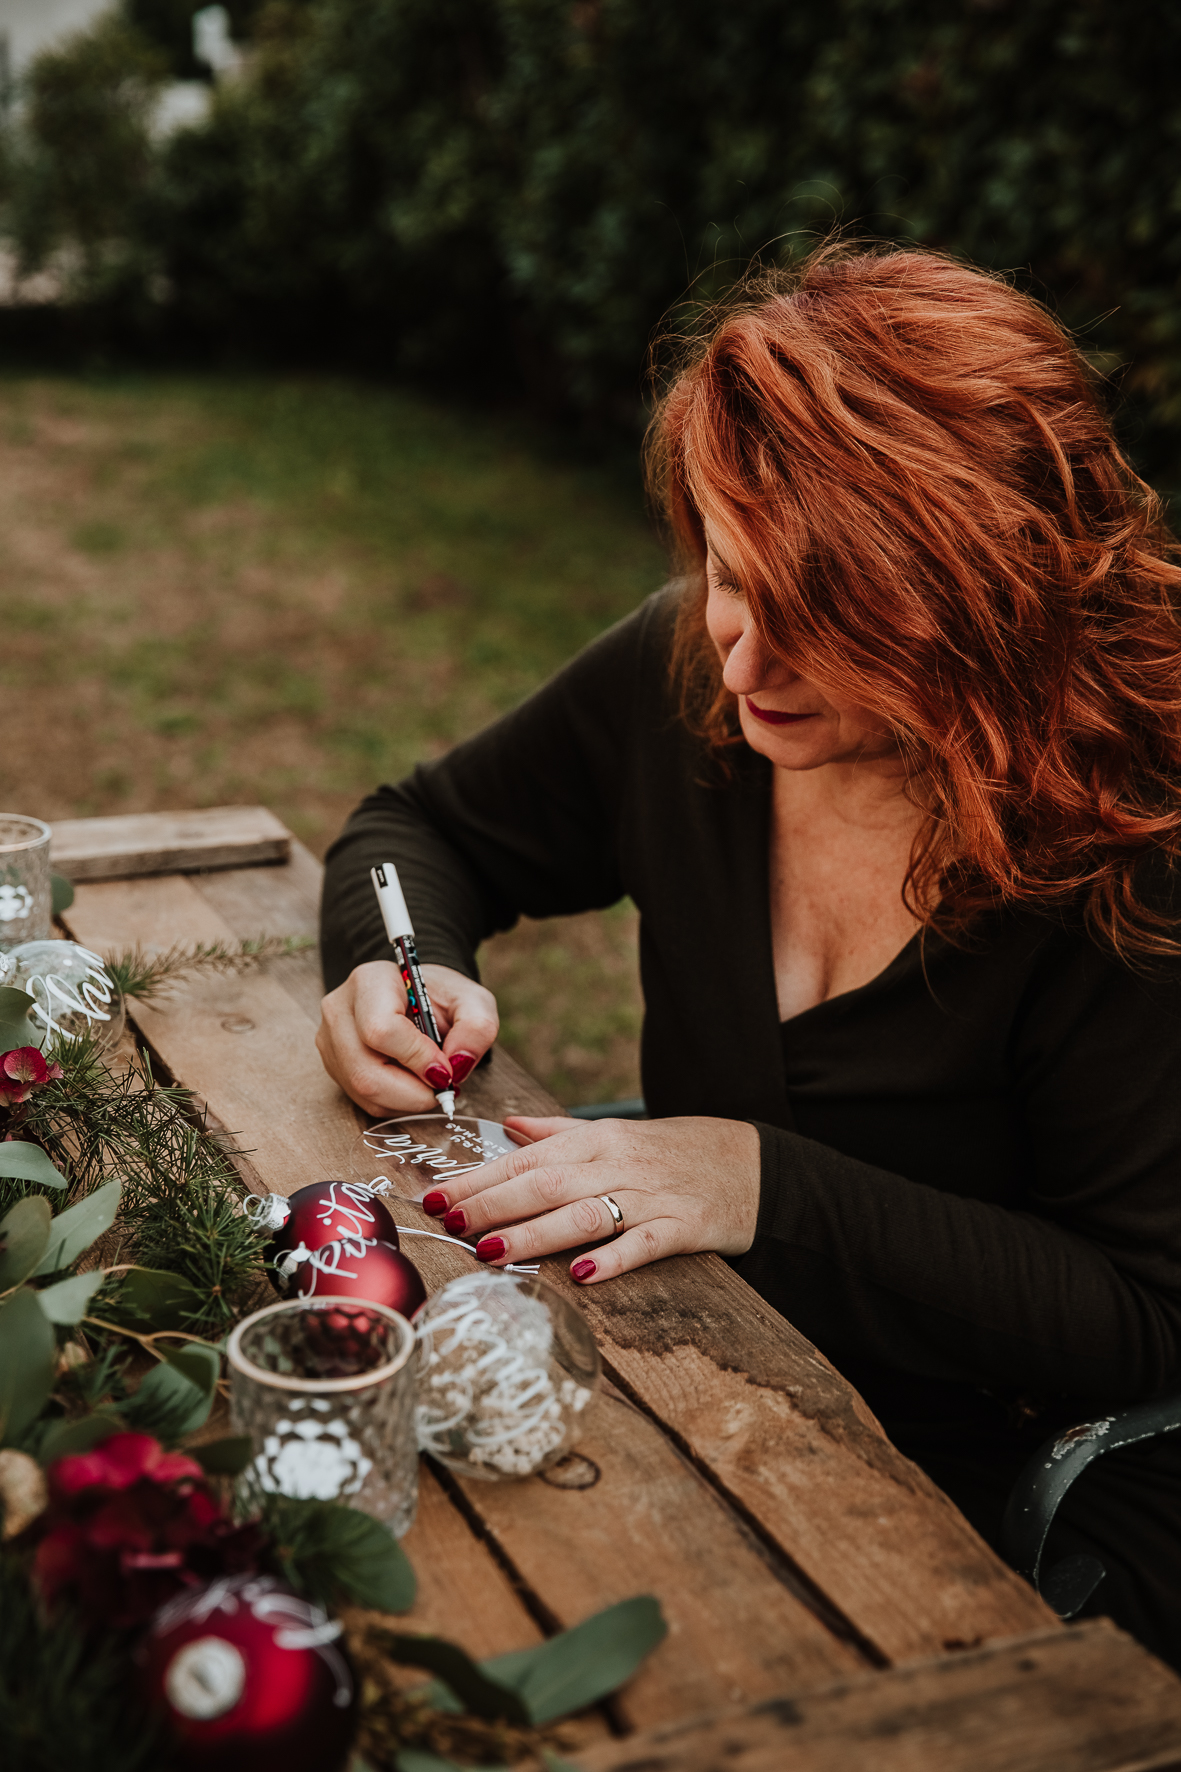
(181, 1203)
(144, 976)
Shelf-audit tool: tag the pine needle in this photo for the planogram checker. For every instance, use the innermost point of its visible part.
(144, 975)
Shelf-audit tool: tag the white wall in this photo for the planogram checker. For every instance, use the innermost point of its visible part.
(29, 25)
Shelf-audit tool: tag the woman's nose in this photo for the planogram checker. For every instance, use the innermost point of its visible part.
(748, 664)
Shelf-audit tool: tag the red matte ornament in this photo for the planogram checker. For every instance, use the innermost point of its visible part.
(357, 1267)
(251, 1678)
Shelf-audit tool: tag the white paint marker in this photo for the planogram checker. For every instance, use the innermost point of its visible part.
(400, 930)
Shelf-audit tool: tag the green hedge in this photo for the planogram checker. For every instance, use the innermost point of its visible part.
(508, 191)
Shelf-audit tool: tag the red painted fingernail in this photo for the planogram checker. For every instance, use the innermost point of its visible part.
(434, 1205)
(455, 1222)
(582, 1270)
(461, 1064)
(490, 1249)
(438, 1076)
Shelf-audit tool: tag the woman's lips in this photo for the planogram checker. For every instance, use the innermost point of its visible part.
(774, 719)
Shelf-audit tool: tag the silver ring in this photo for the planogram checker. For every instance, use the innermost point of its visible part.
(616, 1214)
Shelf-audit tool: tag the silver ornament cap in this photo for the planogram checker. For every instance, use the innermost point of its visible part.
(206, 1678)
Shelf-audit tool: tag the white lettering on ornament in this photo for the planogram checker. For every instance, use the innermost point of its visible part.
(89, 996)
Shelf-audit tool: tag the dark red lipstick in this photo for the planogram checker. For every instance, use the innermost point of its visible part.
(773, 719)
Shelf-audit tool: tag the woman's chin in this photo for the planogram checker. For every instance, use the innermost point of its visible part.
(805, 746)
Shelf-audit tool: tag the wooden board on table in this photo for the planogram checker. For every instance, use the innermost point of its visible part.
(646, 1522)
(167, 842)
(1084, 1700)
(754, 1404)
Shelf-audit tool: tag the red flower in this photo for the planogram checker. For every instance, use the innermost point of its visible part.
(119, 1462)
(128, 1526)
(21, 1071)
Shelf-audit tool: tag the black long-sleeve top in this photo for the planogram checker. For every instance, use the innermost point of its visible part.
(971, 1166)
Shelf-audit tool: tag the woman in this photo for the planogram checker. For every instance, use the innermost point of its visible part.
(894, 777)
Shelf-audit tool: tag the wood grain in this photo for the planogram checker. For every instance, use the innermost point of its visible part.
(462, 1593)
(1084, 1700)
(166, 842)
(649, 1524)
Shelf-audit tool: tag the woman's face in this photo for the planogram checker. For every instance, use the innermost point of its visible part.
(791, 720)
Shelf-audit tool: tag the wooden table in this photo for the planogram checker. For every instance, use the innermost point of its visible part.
(828, 1606)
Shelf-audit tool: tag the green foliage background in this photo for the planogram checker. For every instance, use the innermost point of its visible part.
(514, 192)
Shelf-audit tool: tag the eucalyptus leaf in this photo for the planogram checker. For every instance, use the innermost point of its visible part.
(62, 891)
(476, 1692)
(21, 1161)
(75, 1229)
(331, 1551)
(369, 1563)
(157, 1298)
(584, 1664)
(199, 1361)
(68, 1301)
(168, 1404)
(224, 1458)
(15, 1027)
(65, 1438)
(24, 1232)
(28, 1356)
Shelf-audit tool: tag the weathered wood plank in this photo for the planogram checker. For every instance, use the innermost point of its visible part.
(778, 1429)
(1084, 1700)
(167, 842)
(796, 1447)
(462, 1593)
(649, 1524)
(275, 901)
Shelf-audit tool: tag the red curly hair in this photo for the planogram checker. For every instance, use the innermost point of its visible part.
(924, 504)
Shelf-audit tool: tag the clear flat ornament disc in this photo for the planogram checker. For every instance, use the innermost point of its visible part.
(416, 1153)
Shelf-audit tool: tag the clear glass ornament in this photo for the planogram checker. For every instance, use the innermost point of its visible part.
(507, 1370)
(72, 991)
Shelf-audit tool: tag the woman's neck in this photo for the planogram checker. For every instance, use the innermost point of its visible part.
(841, 840)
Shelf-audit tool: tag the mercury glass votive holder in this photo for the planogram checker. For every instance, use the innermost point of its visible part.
(325, 1390)
(26, 889)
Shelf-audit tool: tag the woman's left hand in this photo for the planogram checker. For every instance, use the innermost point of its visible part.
(682, 1185)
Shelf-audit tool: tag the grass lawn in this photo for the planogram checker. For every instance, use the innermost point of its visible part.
(287, 590)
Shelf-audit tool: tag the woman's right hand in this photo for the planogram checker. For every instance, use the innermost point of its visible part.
(371, 1047)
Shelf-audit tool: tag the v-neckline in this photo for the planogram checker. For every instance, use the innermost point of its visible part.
(855, 990)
